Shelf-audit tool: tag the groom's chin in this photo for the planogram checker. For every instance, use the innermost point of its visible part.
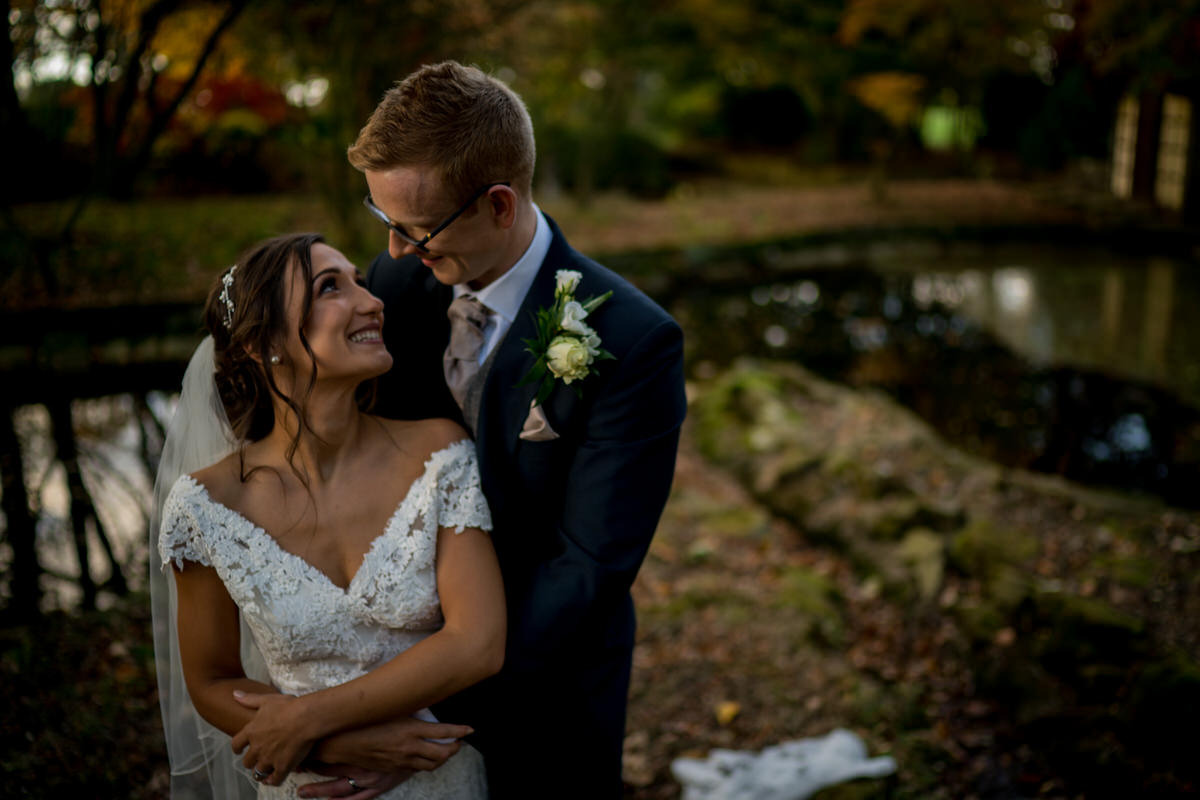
(444, 271)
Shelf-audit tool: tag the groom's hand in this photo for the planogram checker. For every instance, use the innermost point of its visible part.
(350, 782)
(402, 744)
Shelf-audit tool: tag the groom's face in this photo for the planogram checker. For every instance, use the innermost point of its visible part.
(468, 251)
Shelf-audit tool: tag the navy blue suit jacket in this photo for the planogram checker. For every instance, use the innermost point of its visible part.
(573, 517)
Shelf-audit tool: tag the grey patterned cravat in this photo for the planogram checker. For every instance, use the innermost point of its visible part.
(460, 363)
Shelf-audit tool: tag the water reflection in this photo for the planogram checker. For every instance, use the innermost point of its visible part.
(116, 452)
(1116, 318)
(1069, 362)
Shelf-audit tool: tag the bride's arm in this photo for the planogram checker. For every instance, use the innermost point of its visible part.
(209, 648)
(468, 648)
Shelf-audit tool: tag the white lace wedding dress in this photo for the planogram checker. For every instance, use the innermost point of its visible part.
(314, 634)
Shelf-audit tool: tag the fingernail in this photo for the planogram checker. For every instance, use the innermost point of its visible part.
(238, 693)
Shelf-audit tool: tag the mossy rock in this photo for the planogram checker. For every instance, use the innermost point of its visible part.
(743, 411)
(730, 605)
(1022, 685)
(981, 621)
(1008, 585)
(1163, 706)
(890, 518)
(923, 552)
(738, 521)
(1134, 571)
(1074, 633)
(816, 598)
(981, 548)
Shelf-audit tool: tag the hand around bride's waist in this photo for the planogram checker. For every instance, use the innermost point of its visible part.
(277, 738)
(404, 744)
(347, 781)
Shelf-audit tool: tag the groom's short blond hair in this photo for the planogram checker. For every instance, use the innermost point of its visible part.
(469, 125)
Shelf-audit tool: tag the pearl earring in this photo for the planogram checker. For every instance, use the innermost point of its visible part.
(274, 360)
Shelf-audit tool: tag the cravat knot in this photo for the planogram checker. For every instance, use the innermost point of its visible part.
(468, 317)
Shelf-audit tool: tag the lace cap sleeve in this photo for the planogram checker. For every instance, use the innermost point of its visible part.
(181, 537)
(458, 495)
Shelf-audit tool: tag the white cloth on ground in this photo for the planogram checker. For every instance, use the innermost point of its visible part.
(792, 770)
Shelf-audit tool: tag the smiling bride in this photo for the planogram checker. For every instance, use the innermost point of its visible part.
(351, 552)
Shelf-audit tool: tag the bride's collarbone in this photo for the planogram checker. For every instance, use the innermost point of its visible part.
(330, 524)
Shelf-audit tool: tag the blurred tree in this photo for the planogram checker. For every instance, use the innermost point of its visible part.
(1148, 43)
(951, 44)
(629, 94)
(101, 80)
(137, 60)
(93, 84)
(338, 60)
(1023, 64)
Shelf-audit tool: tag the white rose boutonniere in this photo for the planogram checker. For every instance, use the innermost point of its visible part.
(566, 347)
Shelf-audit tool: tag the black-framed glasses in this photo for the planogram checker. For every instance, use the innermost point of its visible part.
(420, 243)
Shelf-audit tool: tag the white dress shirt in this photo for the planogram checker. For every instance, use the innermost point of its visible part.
(503, 296)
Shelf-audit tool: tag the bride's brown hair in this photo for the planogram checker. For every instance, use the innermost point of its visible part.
(257, 329)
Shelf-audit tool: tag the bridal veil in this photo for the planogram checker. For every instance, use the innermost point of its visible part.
(203, 766)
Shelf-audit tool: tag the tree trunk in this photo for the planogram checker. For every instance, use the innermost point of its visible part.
(25, 584)
(64, 440)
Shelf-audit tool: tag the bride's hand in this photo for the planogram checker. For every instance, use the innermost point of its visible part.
(367, 783)
(277, 739)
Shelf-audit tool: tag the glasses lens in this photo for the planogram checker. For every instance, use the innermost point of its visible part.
(396, 229)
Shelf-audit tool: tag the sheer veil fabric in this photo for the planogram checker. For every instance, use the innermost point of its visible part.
(203, 766)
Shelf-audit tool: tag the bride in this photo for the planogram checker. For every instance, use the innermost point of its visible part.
(342, 552)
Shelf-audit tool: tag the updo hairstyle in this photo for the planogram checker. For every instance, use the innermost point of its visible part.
(258, 330)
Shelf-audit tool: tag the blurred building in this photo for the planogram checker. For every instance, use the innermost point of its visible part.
(1156, 149)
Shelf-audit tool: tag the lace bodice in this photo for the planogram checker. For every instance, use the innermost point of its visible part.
(311, 632)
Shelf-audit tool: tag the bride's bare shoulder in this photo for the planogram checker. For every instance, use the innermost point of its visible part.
(224, 480)
(423, 437)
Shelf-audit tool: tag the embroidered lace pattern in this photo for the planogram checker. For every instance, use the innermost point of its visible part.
(314, 634)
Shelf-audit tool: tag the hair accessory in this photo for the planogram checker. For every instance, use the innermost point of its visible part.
(274, 359)
(227, 280)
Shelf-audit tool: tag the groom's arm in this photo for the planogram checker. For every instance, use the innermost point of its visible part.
(617, 484)
(401, 744)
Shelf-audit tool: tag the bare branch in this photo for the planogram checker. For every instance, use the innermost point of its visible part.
(163, 116)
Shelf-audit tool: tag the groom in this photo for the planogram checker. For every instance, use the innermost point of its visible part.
(576, 483)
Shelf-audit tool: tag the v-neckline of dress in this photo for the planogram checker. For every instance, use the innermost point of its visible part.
(311, 568)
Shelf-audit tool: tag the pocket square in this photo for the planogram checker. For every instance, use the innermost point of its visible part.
(537, 427)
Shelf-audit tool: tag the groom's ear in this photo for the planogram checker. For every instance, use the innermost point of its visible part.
(502, 203)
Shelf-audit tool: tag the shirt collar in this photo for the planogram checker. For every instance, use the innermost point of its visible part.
(504, 295)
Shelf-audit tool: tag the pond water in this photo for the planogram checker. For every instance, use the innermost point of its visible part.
(1071, 361)
(112, 443)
